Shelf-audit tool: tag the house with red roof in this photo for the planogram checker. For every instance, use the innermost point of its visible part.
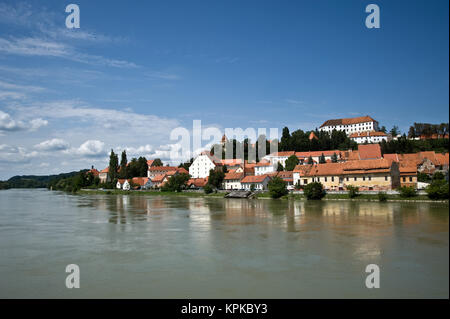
(257, 182)
(202, 164)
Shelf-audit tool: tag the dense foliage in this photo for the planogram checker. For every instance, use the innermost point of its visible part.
(75, 183)
(438, 189)
(405, 145)
(314, 191)
(382, 197)
(216, 178)
(277, 187)
(427, 129)
(291, 162)
(406, 191)
(299, 141)
(352, 191)
(176, 183)
(208, 189)
(33, 181)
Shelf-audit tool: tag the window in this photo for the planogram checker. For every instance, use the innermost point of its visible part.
(364, 178)
(404, 179)
(370, 178)
(305, 181)
(332, 178)
(347, 179)
(385, 178)
(356, 179)
(410, 179)
(325, 179)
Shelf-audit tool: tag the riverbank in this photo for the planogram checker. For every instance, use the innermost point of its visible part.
(343, 197)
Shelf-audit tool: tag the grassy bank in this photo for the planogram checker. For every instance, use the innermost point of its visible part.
(360, 197)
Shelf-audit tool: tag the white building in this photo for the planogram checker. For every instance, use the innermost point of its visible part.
(201, 166)
(123, 184)
(368, 137)
(264, 168)
(232, 180)
(350, 125)
(259, 182)
(278, 157)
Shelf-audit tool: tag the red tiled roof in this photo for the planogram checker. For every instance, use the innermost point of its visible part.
(348, 121)
(369, 151)
(182, 170)
(197, 182)
(159, 178)
(317, 153)
(93, 171)
(261, 164)
(367, 134)
(150, 162)
(141, 181)
(233, 175)
(254, 179)
(105, 170)
(162, 168)
(312, 136)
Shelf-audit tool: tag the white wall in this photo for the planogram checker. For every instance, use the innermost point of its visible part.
(201, 166)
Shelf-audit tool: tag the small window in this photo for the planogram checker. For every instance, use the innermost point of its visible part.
(404, 179)
(410, 179)
(364, 178)
(385, 178)
(305, 181)
(356, 178)
(370, 178)
(325, 179)
(332, 178)
(347, 179)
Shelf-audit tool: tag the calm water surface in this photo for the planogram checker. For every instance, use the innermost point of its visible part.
(177, 247)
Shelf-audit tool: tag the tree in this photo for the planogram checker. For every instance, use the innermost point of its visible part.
(411, 132)
(395, 131)
(406, 191)
(113, 166)
(334, 158)
(216, 178)
(176, 183)
(123, 165)
(310, 160)
(285, 143)
(142, 167)
(352, 191)
(314, 191)
(438, 189)
(291, 162)
(186, 165)
(157, 162)
(383, 129)
(280, 167)
(322, 159)
(277, 187)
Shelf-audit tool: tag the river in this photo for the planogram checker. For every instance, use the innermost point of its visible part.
(194, 247)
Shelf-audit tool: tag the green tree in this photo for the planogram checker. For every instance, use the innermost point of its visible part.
(314, 191)
(157, 162)
(291, 162)
(216, 178)
(406, 191)
(352, 191)
(123, 165)
(322, 159)
(395, 131)
(438, 176)
(438, 189)
(280, 167)
(411, 132)
(310, 160)
(277, 187)
(113, 166)
(383, 129)
(285, 143)
(208, 189)
(176, 183)
(334, 158)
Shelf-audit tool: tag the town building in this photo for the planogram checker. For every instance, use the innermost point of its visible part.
(202, 164)
(197, 183)
(368, 137)
(103, 175)
(232, 180)
(350, 125)
(257, 182)
(262, 168)
(376, 174)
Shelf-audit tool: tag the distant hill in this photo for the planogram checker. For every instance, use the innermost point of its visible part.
(33, 181)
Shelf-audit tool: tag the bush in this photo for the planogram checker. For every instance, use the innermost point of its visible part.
(277, 187)
(438, 189)
(314, 191)
(407, 191)
(382, 197)
(352, 191)
(208, 189)
(438, 176)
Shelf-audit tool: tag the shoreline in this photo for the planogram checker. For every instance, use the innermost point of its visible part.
(297, 197)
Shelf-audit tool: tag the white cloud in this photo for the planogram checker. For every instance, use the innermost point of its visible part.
(44, 47)
(14, 154)
(17, 87)
(90, 148)
(4, 95)
(54, 144)
(8, 124)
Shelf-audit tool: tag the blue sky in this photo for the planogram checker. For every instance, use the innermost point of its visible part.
(136, 70)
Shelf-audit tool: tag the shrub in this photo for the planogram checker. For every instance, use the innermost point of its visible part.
(407, 191)
(438, 176)
(208, 189)
(352, 191)
(277, 187)
(438, 189)
(314, 191)
(382, 197)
